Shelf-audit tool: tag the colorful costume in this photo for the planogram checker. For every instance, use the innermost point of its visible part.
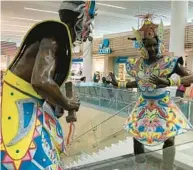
(155, 117)
(31, 136)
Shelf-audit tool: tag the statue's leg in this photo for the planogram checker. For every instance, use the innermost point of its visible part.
(168, 153)
(138, 151)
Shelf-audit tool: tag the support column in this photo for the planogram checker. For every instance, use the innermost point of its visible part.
(179, 14)
(190, 60)
(106, 63)
(87, 60)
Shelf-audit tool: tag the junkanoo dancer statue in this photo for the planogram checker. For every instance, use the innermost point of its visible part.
(31, 135)
(155, 119)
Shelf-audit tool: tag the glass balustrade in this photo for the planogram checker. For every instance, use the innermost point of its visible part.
(106, 97)
(103, 131)
(114, 99)
(153, 160)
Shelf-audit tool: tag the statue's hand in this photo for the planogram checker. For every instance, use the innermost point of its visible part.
(74, 104)
(158, 81)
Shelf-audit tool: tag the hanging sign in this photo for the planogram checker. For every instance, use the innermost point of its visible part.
(121, 59)
(104, 47)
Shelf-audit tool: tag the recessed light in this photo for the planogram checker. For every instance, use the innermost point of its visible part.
(12, 31)
(113, 6)
(27, 19)
(14, 35)
(40, 10)
(15, 25)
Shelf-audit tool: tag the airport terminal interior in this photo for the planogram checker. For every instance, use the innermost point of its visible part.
(96, 85)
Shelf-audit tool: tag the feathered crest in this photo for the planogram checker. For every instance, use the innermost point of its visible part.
(149, 30)
(84, 25)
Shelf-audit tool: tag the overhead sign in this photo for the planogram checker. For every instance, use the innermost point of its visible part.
(121, 59)
(77, 60)
(104, 47)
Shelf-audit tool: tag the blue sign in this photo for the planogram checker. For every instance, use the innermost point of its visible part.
(77, 60)
(104, 47)
(135, 44)
(121, 59)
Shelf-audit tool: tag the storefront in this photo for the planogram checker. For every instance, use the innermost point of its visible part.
(101, 59)
(77, 68)
(98, 65)
(109, 56)
(119, 68)
(8, 52)
(111, 52)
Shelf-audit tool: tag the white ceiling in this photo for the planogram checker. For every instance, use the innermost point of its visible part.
(117, 17)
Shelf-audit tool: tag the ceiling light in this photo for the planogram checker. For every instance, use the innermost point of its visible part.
(40, 10)
(27, 19)
(12, 35)
(16, 25)
(97, 36)
(113, 6)
(104, 31)
(12, 31)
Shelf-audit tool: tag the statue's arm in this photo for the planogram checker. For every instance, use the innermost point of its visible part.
(42, 76)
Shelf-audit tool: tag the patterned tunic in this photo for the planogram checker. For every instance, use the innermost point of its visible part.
(155, 117)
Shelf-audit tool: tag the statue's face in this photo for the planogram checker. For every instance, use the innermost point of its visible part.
(151, 46)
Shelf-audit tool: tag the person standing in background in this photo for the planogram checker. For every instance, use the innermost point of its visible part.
(180, 91)
(181, 88)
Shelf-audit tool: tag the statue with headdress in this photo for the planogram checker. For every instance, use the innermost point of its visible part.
(156, 118)
(149, 30)
(32, 101)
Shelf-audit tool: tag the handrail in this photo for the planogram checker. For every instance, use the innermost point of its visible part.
(122, 130)
(102, 122)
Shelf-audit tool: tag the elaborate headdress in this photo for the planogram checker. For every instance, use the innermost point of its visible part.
(84, 24)
(149, 30)
(86, 10)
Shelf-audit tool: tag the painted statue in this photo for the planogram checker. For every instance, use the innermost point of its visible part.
(155, 119)
(31, 136)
